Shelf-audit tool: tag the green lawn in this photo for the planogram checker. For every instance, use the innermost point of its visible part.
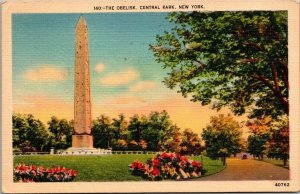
(277, 162)
(103, 168)
(212, 166)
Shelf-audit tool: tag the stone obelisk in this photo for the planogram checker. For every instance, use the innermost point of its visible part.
(82, 137)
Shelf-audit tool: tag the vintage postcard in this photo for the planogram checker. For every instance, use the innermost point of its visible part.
(137, 96)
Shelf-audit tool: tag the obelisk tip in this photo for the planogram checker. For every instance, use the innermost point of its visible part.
(81, 21)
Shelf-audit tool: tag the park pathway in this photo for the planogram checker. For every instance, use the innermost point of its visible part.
(248, 169)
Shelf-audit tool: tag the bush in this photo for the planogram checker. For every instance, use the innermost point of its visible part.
(167, 166)
(33, 173)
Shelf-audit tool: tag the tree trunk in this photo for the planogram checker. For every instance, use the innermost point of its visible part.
(284, 162)
(223, 159)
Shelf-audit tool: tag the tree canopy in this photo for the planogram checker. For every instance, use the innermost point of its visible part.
(269, 138)
(191, 143)
(102, 132)
(61, 132)
(155, 132)
(259, 134)
(222, 137)
(278, 144)
(29, 134)
(236, 59)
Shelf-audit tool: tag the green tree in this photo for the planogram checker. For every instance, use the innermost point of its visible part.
(259, 135)
(222, 137)
(278, 144)
(256, 145)
(29, 134)
(157, 125)
(136, 125)
(61, 131)
(120, 126)
(235, 59)
(20, 129)
(171, 140)
(102, 132)
(191, 143)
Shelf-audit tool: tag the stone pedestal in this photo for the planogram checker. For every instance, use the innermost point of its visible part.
(82, 141)
(86, 151)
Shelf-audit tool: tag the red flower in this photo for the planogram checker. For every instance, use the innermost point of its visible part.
(21, 167)
(165, 155)
(155, 172)
(184, 159)
(33, 167)
(177, 156)
(196, 164)
(33, 173)
(137, 165)
(72, 173)
(155, 162)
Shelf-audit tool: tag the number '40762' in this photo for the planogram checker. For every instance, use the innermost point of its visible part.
(282, 184)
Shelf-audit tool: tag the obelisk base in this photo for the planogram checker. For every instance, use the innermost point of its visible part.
(82, 141)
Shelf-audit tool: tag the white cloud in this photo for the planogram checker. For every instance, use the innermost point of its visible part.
(99, 67)
(141, 86)
(45, 74)
(120, 78)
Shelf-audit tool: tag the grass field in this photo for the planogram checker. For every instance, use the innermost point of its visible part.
(277, 162)
(103, 168)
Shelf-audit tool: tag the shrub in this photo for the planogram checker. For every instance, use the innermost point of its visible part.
(167, 166)
(33, 173)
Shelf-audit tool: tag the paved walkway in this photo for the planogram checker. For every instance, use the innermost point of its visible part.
(248, 169)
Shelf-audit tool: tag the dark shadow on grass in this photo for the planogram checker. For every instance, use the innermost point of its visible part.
(280, 165)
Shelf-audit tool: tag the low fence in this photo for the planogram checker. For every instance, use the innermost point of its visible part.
(30, 153)
(58, 153)
(134, 152)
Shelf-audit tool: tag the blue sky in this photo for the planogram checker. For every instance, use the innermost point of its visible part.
(119, 41)
(125, 78)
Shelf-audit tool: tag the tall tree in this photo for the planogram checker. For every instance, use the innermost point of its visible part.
(235, 59)
(61, 131)
(102, 132)
(136, 125)
(157, 125)
(222, 137)
(190, 142)
(278, 144)
(29, 132)
(20, 129)
(259, 135)
(120, 126)
(171, 140)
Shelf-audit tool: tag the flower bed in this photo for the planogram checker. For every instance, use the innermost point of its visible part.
(33, 173)
(167, 166)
